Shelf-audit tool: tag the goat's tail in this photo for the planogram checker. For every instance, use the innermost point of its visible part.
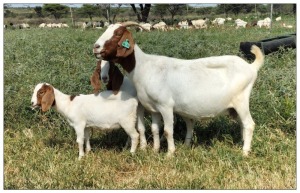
(259, 57)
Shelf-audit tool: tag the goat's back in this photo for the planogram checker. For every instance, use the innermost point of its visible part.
(105, 109)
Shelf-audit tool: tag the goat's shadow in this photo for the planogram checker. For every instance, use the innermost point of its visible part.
(221, 129)
(113, 140)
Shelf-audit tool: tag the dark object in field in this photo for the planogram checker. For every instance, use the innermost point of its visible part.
(268, 45)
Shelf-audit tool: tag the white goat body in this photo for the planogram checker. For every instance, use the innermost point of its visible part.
(145, 26)
(200, 23)
(160, 26)
(195, 89)
(219, 21)
(183, 24)
(104, 111)
(240, 23)
(264, 23)
(183, 82)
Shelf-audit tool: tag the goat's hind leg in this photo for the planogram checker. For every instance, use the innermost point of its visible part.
(248, 126)
(168, 118)
(189, 130)
(133, 134)
(156, 120)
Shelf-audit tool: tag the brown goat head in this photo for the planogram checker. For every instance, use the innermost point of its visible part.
(45, 97)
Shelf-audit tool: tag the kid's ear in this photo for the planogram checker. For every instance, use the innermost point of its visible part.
(117, 81)
(95, 78)
(47, 99)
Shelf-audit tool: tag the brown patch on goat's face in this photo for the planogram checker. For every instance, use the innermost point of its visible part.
(113, 50)
(45, 97)
(109, 50)
(95, 78)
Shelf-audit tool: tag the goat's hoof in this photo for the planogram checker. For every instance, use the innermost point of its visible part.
(245, 153)
(170, 155)
(143, 146)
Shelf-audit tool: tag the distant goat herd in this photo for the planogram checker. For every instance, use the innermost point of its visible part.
(162, 26)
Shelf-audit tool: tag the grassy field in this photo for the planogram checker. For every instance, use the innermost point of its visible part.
(40, 150)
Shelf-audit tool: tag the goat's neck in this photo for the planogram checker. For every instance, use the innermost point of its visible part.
(128, 63)
(132, 61)
(62, 102)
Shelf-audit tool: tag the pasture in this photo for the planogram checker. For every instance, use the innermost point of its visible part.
(40, 150)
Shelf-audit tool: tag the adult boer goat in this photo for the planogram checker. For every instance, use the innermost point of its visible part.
(195, 89)
(85, 111)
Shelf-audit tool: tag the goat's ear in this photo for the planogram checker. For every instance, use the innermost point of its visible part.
(47, 99)
(125, 45)
(95, 78)
(117, 80)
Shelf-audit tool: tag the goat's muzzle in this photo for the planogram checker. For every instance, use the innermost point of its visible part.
(35, 106)
(96, 51)
(104, 79)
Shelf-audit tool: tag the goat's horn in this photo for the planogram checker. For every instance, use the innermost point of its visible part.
(132, 23)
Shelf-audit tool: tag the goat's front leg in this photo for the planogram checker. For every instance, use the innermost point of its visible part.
(156, 120)
(80, 139)
(141, 126)
(168, 117)
(87, 135)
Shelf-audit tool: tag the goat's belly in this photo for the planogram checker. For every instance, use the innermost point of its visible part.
(201, 110)
(197, 114)
(104, 126)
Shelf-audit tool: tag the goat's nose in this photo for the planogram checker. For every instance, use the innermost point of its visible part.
(104, 79)
(96, 46)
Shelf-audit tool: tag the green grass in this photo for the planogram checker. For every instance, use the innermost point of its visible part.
(40, 150)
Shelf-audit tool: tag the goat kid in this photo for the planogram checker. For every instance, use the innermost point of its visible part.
(85, 111)
(195, 89)
(110, 75)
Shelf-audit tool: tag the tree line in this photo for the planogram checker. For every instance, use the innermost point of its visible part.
(141, 11)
